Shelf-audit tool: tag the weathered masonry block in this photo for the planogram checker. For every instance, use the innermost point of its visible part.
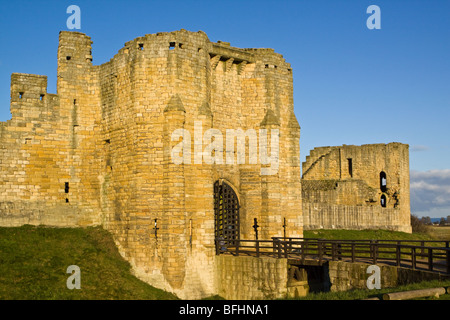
(241, 278)
(357, 187)
(343, 276)
(99, 151)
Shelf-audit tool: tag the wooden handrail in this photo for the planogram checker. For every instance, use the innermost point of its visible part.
(432, 257)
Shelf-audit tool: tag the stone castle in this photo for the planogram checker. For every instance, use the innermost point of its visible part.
(357, 187)
(100, 152)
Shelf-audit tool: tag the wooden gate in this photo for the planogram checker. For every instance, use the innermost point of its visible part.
(226, 211)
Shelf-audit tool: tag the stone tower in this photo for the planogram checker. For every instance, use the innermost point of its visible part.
(101, 151)
(357, 187)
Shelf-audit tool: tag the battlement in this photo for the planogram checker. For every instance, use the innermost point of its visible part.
(75, 48)
(28, 87)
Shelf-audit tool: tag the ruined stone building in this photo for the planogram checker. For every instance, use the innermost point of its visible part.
(100, 151)
(125, 145)
(357, 187)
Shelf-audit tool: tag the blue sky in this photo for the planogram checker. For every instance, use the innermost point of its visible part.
(352, 85)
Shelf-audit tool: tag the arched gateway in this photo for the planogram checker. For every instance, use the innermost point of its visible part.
(226, 212)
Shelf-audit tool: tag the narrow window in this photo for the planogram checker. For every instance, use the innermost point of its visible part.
(20, 95)
(383, 181)
(180, 45)
(350, 167)
(383, 201)
(41, 97)
(74, 101)
(141, 46)
(66, 187)
(172, 45)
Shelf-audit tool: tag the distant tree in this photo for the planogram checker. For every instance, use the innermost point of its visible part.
(426, 221)
(417, 224)
(442, 222)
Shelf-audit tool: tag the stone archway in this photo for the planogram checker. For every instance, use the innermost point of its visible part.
(226, 212)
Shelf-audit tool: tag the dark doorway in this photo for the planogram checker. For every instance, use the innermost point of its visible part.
(383, 201)
(226, 212)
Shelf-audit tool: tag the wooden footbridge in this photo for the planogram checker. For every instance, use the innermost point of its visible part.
(431, 256)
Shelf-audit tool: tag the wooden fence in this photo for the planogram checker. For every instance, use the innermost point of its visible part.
(425, 255)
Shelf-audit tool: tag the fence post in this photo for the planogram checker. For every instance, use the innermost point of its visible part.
(285, 249)
(448, 261)
(339, 252)
(302, 251)
(371, 249)
(319, 247)
(375, 253)
(399, 254)
(237, 247)
(353, 252)
(413, 257)
(430, 259)
(279, 248)
(257, 248)
(333, 251)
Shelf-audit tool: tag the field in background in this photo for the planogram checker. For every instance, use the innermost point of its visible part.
(439, 233)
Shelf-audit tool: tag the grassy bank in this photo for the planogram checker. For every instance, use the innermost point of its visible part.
(34, 260)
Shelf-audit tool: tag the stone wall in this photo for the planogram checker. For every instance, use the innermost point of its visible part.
(332, 216)
(341, 187)
(251, 278)
(345, 276)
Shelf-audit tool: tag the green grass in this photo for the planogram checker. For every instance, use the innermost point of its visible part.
(365, 234)
(34, 260)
